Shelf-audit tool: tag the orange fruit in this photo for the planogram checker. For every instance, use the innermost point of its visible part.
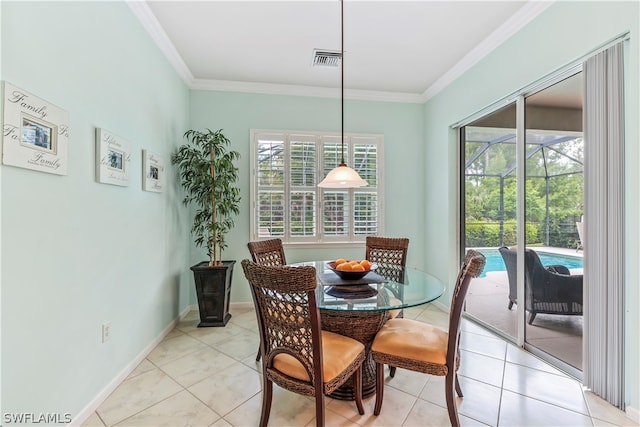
(340, 261)
(357, 267)
(345, 266)
(354, 262)
(366, 264)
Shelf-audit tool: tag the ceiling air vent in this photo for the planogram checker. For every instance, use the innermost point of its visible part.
(326, 58)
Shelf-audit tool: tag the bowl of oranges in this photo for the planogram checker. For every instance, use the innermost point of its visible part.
(351, 270)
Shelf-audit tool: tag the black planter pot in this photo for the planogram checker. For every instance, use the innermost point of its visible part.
(213, 288)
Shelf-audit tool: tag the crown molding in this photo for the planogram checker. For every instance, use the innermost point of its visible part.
(150, 23)
(521, 18)
(514, 24)
(310, 91)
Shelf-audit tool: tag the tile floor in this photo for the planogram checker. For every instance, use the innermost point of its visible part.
(209, 377)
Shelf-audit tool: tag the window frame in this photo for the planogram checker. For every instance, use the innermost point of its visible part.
(319, 138)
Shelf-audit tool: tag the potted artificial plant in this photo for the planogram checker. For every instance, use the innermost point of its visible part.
(208, 174)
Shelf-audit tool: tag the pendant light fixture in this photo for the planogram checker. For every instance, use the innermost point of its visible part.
(342, 176)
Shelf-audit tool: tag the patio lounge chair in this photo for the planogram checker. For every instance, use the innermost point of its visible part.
(549, 290)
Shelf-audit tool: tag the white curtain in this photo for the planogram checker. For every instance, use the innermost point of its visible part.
(604, 225)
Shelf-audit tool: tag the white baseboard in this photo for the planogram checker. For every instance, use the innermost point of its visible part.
(91, 407)
(240, 305)
(633, 413)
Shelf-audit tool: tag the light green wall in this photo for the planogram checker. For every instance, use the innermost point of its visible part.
(563, 33)
(401, 125)
(76, 253)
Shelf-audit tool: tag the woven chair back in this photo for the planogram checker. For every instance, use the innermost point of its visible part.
(288, 317)
(267, 252)
(390, 254)
(472, 267)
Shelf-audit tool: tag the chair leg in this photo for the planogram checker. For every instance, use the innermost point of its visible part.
(510, 304)
(319, 410)
(532, 316)
(449, 380)
(458, 389)
(258, 356)
(358, 390)
(267, 395)
(392, 371)
(379, 387)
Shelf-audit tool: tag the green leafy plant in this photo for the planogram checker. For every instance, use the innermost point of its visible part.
(208, 175)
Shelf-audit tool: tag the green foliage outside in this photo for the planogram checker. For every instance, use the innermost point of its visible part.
(486, 207)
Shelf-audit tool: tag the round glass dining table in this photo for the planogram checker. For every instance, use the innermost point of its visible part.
(359, 308)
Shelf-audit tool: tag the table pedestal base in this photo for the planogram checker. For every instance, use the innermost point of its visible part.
(362, 326)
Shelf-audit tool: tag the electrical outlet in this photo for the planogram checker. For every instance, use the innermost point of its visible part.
(106, 332)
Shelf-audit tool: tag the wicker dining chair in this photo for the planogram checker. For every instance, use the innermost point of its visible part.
(296, 354)
(267, 252)
(390, 254)
(417, 346)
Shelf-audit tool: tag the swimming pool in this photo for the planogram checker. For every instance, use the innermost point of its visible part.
(495, 262)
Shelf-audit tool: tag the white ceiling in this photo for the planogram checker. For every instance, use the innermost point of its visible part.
(394, 50)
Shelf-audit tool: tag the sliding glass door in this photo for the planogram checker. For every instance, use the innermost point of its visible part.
(554, 188)
(522, 186)
(489, 147)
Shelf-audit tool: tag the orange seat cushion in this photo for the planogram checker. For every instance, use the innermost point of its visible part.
(338, 352)
(413, 340)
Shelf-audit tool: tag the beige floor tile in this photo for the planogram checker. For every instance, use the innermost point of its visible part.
(93, 421)
(396, 406)
(333, 419)
(489, 346)
(561, 391)
(242, 345)
(474, 328)
(137, 394)
(228, 389)
(287, 410)
(181, 409)
(519, 410)
(218, 367)
(604, 411)
(408, 381)
(481, 368)
(426, 414)
(521, 357)
(174, 348)
(222, 423)
(481, 401)
(196, 366)
(216, 335)
(144, 366)
(413, 312)
(434, 317)
(174, 333)
(246, 320)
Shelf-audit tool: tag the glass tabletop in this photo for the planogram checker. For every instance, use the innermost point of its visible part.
(385, 288)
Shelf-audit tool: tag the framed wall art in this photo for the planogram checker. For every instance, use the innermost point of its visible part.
(35, 133)
(113, 159)
(153, 171)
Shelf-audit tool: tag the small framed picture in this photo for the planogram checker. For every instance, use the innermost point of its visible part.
(153, 171)
(38, 134)
(113, 159)
(35, 132)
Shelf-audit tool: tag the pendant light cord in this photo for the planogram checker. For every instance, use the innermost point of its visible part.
(342, 163)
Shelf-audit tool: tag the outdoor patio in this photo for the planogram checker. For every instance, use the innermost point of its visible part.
(558, 335)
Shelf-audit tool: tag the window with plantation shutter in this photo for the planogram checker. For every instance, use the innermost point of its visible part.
(286, 201)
